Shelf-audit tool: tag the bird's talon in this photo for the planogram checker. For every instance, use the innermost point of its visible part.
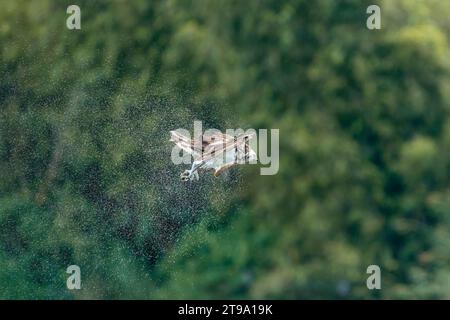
(185, 176)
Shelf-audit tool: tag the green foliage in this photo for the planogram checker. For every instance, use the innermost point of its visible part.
(86, 176)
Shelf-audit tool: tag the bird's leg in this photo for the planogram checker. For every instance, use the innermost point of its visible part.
(191, 174)
(194, 170)
(186, 175)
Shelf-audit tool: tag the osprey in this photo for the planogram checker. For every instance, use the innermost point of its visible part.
(214, 151)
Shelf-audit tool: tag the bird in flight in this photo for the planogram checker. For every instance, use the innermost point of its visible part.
(216, 151)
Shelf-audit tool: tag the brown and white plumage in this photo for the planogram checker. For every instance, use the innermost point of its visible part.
(216, 151)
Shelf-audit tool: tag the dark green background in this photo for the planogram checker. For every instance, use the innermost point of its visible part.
(85, 170)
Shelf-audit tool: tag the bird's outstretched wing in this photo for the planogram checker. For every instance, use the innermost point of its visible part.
(224, 143)
(200, 146)
(211, 146)
(185, 143)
